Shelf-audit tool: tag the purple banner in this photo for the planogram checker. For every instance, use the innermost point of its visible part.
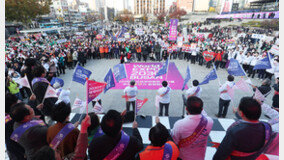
(173, 30)
(255, 15)
(144, 75)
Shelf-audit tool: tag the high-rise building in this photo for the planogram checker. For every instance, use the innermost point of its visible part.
(60, 9)
(148, 6)
(187, 5)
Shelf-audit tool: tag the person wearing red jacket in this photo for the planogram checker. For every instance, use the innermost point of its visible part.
(218, 58)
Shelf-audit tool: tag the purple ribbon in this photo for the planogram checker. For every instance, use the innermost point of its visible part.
(18, 132)
(119, 148)
(61, 135)
(167, 91)
(39, 79)
(197, 132)
(168, 152)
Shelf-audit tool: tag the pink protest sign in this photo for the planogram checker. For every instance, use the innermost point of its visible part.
(144, 75)
(173, 30)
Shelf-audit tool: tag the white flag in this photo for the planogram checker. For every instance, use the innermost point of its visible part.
(98, 108)
(78, 103)
(24, 82)
(50, 93)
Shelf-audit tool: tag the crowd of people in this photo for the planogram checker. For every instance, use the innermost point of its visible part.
(39, 128)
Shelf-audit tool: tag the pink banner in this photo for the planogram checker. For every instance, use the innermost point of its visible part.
(173, 30)
(144, 75)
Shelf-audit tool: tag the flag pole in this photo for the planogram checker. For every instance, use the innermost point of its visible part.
(216, 74)
(72, 75)
(125, 70)
(190, 75)
(87, 89)
(45, 94)
(135, 110)
(167, 69)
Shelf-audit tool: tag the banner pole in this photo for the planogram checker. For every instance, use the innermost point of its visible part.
(44, 95)
(73, 75)
(87, 88)
(217, 75)
(135, 110)
(167, 69)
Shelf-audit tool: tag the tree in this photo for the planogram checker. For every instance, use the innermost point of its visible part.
(160, 16)
(145, 18)
(177, 13)
(125, 16)
(25, 10)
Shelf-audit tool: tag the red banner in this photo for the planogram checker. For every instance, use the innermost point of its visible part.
(140, 103)
(208, 56)
(94, 89)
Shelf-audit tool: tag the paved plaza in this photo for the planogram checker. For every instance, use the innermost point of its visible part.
(112, 98)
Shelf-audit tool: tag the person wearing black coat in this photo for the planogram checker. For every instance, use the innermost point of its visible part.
(39, 89)
(265, 88)
(275, 98)
(145, 52)
(14, 150)
(81, 58)
(111, 125)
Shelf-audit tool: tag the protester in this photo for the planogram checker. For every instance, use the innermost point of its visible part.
(14, 150)
(195, 90)
(245, 138)
(39, 87)
(164, 93)
(265, 88)
(130, 95)
(225, 98)
(191, 133)
(32, 137)
(160, 147)
(61, 114)
(103, 146)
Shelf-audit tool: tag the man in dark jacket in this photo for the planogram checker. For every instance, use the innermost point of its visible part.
(15, 150)
(145, 52)
(245, 139)
(265, 88)
(111, 125)
(39, 86)
(157, 50)
(34, 137)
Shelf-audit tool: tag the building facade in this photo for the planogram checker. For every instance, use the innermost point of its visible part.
(187, 5)
(148, 6)
(60, 10)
